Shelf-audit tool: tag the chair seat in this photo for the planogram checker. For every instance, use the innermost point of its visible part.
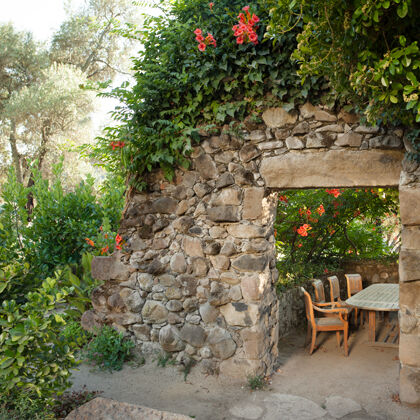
(329, 322)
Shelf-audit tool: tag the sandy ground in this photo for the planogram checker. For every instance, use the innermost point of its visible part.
(369, 376)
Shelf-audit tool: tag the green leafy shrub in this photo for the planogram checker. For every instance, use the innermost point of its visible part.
(109, 349)
(256, 382)
(75, 335)
(55, 233)
(179, 88)
(34, 358)
(368, 50)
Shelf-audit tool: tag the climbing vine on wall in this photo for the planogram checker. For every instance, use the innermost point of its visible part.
(201, 64)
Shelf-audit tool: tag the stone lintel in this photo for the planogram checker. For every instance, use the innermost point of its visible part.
(333, 168)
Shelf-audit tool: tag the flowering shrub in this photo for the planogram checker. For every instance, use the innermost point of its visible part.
(194, 72)
(315, 229)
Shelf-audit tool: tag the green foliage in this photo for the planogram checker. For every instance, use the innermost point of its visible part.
(34, 358)
(24, 406)
(256, 382)
(109, 349)
(164, 359)
(316, 229)
(54, 235)
(368, 50)
(179, 89)
(75, 335)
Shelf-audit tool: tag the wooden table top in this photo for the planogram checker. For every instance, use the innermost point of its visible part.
(377, 297)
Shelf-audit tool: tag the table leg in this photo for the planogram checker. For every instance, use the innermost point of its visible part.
(372, 326)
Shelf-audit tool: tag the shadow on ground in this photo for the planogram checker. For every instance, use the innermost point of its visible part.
(304, 386)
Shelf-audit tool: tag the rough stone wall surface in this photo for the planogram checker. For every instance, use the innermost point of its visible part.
(197, 273)
(372, 271)
(409, 272)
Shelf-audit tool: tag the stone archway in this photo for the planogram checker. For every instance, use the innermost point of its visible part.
(197, 274)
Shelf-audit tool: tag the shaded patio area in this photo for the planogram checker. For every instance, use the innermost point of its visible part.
(368, 377)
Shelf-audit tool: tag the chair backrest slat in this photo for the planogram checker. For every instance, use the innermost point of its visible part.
(319, 290)
(354, 284)
(308, 307)
(334, 288)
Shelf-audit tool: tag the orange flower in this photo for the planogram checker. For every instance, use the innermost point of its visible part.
(320, 210)
(335, 192)
(104, 250)
(90, 242)
(303, 230)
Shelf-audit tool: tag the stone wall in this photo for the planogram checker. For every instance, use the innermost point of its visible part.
(291, 310)
(409, 272)
(372, 271)
(197, 272)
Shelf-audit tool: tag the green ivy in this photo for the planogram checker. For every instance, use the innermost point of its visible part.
(179, 89)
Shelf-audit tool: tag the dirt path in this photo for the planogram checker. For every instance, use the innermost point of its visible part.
(369, 377)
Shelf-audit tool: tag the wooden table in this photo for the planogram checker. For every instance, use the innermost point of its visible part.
(382, 298)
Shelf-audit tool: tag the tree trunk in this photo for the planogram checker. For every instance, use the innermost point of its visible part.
(41, 155)
(15, 153)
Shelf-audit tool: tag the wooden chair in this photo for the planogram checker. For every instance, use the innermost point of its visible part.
(335, 294)
(330, 323)
(319, 291)
(354, 285)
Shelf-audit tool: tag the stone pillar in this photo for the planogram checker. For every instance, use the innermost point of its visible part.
(409, 269)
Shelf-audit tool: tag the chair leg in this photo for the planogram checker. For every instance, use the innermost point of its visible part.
(337, 334)
(355, 317)
(308, 334)
(313, 341)
(346, 333)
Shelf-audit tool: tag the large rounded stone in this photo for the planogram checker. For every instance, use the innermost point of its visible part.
(132, 299)
(193, 334)
(250, 263)
(169, 339)
(278, 117)
(154, 312)
(206, 167)
(208, 313)
(221, 343)
(178, 263)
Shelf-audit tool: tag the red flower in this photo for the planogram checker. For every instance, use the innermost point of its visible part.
(336, 214)
(201, 46)
(198, 31)
(255, 18)
(118, 239)
(199, 38)
(283, 198)
(335, 192)
(308, 212)
(245, 8)
(326, 270)
(211, 5)
(244, 31)
(104, 250)
(299, 245)
(239, 40)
